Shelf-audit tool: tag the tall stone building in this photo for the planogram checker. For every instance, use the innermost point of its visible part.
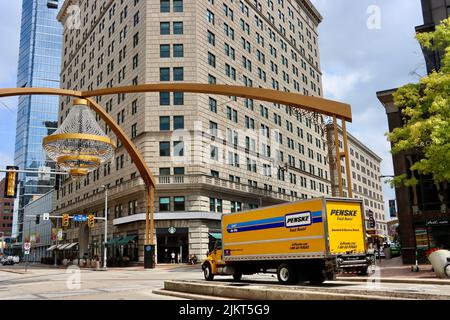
(366, 179)
(210, 154)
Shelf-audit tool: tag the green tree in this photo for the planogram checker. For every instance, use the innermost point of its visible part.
(426, 111)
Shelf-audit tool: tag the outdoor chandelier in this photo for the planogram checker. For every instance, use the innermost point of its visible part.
(79, 145)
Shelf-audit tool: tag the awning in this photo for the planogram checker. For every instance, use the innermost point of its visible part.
(63, 246)
(113, 241)
(53, 247)
(70, 246)
(217, 236)
(126, 240)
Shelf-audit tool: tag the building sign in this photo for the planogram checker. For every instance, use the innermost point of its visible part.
(392, 211)
(60, 234)
(438, 222)
(11, 182)
(172, 230)
(54, 234)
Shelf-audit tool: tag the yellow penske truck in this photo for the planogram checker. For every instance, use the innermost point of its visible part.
(304, 241)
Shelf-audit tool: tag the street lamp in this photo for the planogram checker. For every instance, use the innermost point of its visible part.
(106, 227)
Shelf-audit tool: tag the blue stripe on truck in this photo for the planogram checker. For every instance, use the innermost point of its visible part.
(278, 222)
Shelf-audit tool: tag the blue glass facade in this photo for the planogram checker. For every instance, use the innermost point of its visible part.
(37, 116)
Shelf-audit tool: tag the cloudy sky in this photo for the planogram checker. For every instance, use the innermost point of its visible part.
(357, 61)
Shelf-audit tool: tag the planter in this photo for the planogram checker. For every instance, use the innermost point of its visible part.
(438, 260)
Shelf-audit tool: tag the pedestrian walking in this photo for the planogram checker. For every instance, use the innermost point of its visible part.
(172, 257)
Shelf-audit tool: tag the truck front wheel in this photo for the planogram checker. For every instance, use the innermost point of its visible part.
(286, 274)
(207, 272)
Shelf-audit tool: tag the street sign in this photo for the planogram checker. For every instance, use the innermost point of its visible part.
(46, 217)
(80, 218)
(27, 246)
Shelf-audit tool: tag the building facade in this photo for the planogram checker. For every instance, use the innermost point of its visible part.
(37, 231)
(37, 116)
(366, 179)
(210, 154)
(6, 212)
(434, 11)
(422, 225)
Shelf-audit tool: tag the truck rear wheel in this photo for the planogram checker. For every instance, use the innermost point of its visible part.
(237, 276)
(207, 272)
(287, 274)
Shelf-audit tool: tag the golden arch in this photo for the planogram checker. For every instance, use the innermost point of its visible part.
(331, 108)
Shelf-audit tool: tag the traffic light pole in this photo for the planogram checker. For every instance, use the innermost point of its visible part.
(105, 256)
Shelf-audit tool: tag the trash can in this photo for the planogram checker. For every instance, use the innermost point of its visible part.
(387, 253)
(438, 260)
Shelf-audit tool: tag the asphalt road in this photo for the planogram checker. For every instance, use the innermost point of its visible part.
(48, 283)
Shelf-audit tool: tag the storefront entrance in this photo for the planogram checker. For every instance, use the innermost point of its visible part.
(173, 245)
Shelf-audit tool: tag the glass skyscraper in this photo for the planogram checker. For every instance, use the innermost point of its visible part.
(37, 116)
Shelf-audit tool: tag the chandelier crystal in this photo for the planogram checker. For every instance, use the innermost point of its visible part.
(79, 145)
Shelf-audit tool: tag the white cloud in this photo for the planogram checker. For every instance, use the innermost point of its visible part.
(339, 86)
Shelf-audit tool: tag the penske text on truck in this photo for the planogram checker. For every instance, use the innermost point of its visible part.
(308, 240)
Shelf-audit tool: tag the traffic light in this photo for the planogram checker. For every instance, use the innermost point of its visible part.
(91, 221)
(65, 220)
(38, 219)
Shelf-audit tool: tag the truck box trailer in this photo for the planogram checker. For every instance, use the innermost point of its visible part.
(307, 240)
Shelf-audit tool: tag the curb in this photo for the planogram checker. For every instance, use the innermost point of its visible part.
(264, 293)
(185, 295)
(396, 280)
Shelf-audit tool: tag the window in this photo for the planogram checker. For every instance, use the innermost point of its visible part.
(164, 98)
(179, 204)
(210, 16)
(213, 105)
(236, 206)
(178, 27)
(214, 174)
(178, 51)
(211, 38)
(177, 5)
(178, 122)
(165, 5)
(178, 74)
(178, 98)
(134, 131)
(164, 204)
(178, 171)
(164, 123)
(164, 74)
(164, 149)
(164, 51)
(178, 148)
(164, 171)
(164, 28)
(211, 59)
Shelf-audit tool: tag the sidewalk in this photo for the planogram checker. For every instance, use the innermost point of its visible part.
(394, 268)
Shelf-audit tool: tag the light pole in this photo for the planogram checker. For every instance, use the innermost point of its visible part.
(106, 227)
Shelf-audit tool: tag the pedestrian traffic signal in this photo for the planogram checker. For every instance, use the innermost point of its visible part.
(65, 220)
(91, 221)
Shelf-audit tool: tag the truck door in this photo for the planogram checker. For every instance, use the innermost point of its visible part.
(346, 232)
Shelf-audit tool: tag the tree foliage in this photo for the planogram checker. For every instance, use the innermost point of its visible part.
(426, 111)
